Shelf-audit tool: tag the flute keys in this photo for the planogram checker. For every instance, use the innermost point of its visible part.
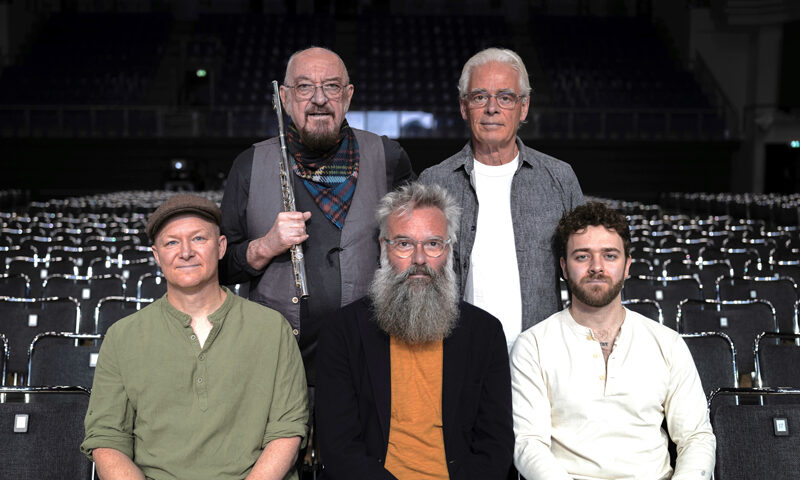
(295, 299)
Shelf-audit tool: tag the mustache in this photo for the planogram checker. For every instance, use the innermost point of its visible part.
(417, 270)
(411, 309)
(313, 109)
(596, 276)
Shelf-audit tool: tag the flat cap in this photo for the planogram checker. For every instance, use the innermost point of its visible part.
(180, 205)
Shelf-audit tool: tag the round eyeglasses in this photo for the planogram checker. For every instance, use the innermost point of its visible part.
(304, 91)
(480, 98)
(404, 247)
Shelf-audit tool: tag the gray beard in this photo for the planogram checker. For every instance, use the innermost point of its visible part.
(415, 311)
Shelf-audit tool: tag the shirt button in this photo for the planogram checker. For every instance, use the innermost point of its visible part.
(602, 377)
(201, 357)
(596, 356)
(193, 337)
(589, 337)
(295, 300)
(199, 379)
(296, 332)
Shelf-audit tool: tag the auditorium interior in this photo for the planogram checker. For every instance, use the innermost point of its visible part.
(684, 115)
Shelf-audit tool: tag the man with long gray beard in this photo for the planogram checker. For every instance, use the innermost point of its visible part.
(414, 383)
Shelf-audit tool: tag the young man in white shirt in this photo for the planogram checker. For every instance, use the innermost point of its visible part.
(592, 384)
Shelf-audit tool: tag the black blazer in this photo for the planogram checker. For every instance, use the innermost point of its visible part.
(353, 397)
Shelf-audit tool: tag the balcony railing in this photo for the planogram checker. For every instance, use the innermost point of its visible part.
(259, 122)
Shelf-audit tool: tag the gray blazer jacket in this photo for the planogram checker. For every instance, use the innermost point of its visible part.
(543, 189)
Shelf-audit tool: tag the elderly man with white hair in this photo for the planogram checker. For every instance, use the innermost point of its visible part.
(512, 197)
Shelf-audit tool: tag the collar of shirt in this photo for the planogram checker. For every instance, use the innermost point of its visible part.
(216, 318)
(623, 337)
(467, 157)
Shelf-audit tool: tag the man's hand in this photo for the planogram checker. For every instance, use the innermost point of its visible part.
(115, 465)
(289, 229)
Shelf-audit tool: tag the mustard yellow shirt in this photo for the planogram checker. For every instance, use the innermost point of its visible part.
(416, 441)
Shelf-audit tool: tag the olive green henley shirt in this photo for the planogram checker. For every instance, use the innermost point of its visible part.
(180, 411)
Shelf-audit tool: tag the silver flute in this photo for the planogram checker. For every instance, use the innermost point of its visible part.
(298, 260)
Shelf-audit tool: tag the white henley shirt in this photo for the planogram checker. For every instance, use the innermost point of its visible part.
(576, 419)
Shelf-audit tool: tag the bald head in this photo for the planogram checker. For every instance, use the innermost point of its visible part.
(318, 118)
(314, 55)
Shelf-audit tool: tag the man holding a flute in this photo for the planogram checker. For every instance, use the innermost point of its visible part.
(338, 175)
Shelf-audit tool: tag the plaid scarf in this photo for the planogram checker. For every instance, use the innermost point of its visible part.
(330, 177)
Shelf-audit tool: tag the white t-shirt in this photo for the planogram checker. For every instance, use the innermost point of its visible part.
(493, 277)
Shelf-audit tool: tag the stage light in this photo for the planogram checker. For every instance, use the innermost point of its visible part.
(201, 73)
(179, 165)
(794, 144)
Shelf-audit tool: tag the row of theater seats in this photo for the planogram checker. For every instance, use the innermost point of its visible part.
(751, 341)
(769, 208)
(37, 271)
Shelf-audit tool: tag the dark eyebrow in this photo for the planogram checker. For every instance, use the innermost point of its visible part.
(604, 250)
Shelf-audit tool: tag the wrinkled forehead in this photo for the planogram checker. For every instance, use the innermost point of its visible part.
(317, 65)
(494, 76)
(420, 221)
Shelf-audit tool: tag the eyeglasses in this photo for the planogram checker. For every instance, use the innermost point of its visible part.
(480, 99)
(404, 247)
(304, 91)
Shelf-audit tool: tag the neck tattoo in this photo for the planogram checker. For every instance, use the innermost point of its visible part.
(603, 344)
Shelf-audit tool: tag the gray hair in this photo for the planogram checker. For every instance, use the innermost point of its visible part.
(416, 195)
(295, 54)
(502, 55)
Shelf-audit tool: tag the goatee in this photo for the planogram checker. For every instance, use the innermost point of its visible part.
(320, 140)
(415, 310)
